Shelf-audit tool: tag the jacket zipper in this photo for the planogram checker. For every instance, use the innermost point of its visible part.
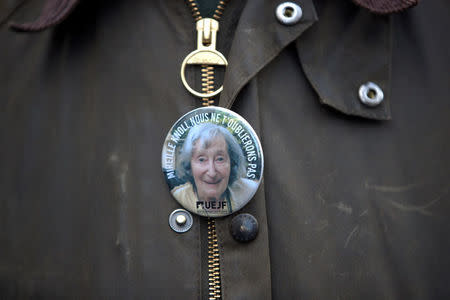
(207, 75)
(214, 288)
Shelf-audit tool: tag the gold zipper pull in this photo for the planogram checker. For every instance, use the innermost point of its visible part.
(207, 33)
(206, 44)
(206, 53)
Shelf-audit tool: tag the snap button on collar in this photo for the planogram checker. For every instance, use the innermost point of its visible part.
(370, 94)
(244, 228)
(289, 13)
(180, 220)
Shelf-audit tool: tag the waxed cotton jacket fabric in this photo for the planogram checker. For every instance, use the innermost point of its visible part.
(354, 203)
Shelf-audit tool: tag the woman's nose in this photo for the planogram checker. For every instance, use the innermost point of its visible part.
(212, 172)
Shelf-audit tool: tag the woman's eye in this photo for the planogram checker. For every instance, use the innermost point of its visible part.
(220, 159)
(201, 159)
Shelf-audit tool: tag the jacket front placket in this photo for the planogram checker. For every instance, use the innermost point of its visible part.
(258, 39)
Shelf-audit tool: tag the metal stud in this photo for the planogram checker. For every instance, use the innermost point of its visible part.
(289, 13)
(180, 220)
(371, 94)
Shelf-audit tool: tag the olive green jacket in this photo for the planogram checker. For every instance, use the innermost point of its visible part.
(354, 203)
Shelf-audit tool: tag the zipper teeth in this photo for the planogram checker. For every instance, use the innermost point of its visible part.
(207, 83)
(213, 262)
(217, 13)
(194, 9)
(220, 8)
(214, 283)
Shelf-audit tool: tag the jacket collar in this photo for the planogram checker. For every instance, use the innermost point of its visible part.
(348, 47)
(258, 39)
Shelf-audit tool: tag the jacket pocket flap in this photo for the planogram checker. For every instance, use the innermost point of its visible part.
(347, 48)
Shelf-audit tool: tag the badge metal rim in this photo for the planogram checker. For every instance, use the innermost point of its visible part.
(251, 131)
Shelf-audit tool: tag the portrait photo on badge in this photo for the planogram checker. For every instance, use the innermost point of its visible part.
(212, 161)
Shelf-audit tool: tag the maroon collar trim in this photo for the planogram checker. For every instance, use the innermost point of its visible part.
(56, 11)
(385, 7)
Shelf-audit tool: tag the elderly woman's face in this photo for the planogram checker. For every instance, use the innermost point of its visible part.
(211, 168)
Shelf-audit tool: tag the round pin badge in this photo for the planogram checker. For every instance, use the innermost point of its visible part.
(212, 161)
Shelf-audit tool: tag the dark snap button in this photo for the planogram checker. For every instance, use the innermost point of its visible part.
(244, 228)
